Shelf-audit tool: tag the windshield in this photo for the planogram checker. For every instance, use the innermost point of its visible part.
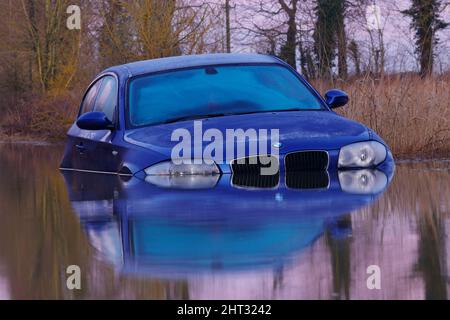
(216, 91)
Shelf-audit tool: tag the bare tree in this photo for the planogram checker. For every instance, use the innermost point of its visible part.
(147, 29)
(357, 14)
(227, 25)
(325, 36)
(341, 38)
(15, 58)
(426, 21)
(272, 25)
(355, 55)
(288, 51)
(55, 48)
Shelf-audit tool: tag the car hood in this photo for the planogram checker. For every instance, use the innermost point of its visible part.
(298, 130)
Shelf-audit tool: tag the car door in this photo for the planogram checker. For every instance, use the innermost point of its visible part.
(102, 154)
(94, 148)
(77, 138)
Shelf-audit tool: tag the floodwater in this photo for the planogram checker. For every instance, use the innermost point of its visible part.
(232, 239)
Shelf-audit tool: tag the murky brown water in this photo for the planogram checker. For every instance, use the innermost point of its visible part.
(404, 232)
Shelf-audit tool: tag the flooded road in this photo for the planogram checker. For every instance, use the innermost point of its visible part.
(297, 238)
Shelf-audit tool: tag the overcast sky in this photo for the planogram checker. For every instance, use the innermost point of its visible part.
(398, 37)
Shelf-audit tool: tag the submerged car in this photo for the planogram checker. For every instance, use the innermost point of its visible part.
(129, 114)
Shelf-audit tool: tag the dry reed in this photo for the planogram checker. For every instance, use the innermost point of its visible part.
(410, 113)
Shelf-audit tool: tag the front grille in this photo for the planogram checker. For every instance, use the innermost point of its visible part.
(307, 180)
(306, 161)
(254, 165)
(255, 181)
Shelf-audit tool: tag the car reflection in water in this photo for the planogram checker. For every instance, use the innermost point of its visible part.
(174, 227)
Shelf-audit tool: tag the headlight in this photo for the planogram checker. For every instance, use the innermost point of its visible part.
(362, 155)
(183, 176)
(362, 181)
(168, 168)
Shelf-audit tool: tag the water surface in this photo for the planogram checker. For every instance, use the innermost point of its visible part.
(135, 240)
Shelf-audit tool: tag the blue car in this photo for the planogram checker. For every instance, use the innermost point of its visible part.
(133, 116)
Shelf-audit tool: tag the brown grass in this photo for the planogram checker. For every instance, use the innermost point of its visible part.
(411, 114)
(38, 117)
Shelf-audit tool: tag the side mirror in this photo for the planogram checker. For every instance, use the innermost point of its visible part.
(336, 98)
(94, 121)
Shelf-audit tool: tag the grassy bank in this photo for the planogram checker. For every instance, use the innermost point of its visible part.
(411, 114)
(36, 117)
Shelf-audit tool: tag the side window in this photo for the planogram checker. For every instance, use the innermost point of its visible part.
(89, 98)
(106, 100)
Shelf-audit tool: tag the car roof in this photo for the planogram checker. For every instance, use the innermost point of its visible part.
(170, 63)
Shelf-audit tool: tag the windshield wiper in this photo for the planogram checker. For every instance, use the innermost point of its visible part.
(194, 117)
(262, 111)
(213, 115)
